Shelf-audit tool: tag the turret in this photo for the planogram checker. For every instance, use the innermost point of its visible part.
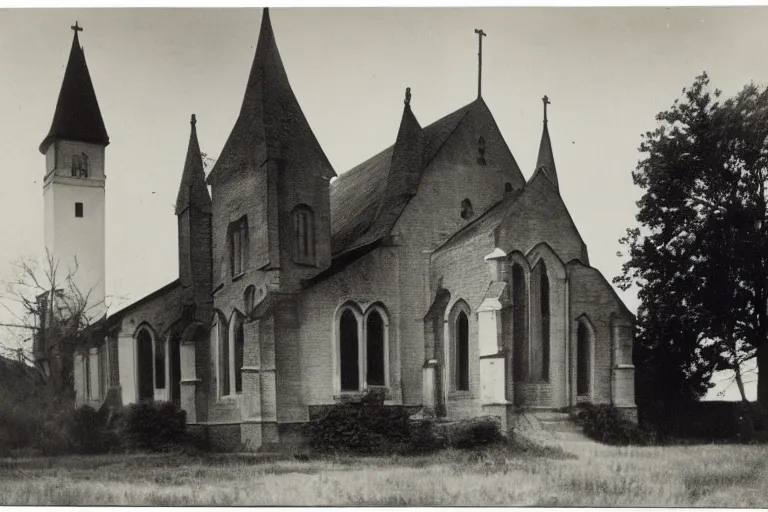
(193, 211)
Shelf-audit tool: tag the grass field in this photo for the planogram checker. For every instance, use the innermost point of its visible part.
(588, 475)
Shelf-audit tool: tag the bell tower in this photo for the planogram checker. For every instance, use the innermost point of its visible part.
(74, 183)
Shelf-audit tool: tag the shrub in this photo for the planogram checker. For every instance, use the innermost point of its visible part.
(153, 426)
(360, 427)
(370, 427)
(474, 432)
(424, 438)
(606, 424)
(88, 432)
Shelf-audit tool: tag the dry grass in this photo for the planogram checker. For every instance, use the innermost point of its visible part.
(704, 475)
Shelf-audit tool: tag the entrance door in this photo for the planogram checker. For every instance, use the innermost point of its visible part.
(146, 386)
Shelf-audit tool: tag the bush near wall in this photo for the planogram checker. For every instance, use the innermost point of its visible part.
(606, 424)
(370, 427)
(153, 426)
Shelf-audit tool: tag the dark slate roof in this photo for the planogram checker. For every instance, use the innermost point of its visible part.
(271, 125)
(77, 116)
(546, 160)
(193, 192)
(367, 200)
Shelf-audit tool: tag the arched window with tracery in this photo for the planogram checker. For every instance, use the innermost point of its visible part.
(363, 348)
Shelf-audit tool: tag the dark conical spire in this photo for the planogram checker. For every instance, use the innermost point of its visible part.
(546, 160)
(271, 124)
(77, 116)
(193, 192)
(405, 168)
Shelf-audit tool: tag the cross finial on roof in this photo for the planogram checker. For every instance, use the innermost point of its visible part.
(480, 35)
(408, 96)
(193, 121)
(77, 28)
(546, 102)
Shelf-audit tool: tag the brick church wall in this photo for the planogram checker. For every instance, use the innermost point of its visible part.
(465, 273)
(591, 295)
(434, 214)
(373, 278)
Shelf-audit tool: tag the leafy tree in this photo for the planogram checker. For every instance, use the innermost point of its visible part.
(699, 256)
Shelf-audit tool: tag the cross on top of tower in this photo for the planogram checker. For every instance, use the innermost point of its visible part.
(480, 35)
(546, 102)
(77, 28)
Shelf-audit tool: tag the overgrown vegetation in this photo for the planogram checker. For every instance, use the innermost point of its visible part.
(606, 424)
(370, 427)
(41, 425)
(153, 426)
(727, 476)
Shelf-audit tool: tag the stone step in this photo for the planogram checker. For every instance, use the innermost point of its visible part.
(561, 426)
(547, 415)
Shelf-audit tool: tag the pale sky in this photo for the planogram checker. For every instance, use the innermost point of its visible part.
(607, 72)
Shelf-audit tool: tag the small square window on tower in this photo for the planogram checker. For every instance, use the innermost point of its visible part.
(78, 209)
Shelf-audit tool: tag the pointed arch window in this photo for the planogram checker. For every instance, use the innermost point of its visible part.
(238, 342)
(583, 359)
(539, 354)
(222, 345)
(238, 246)
(363, 348)
(349, 342)
(519, 324)
(159, 363)
(460, 346)
(303, 235)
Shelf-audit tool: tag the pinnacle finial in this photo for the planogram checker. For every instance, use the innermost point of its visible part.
(546, 102)
(408, 96)
(193, 120)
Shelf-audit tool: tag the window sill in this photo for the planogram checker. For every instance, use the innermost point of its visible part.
(309, 264)
(237, 277)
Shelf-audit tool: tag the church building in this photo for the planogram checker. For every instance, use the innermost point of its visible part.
(434, 272)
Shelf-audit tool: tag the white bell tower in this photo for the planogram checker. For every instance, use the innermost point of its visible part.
(74, 184)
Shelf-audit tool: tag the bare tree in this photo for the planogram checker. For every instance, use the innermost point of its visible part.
(50, 316)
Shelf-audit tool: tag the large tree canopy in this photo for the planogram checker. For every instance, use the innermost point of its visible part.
(699, 253)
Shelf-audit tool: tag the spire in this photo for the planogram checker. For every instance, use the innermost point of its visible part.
(77, 116)
(271, 125)
(193, 192)
(546, 160)
(404, 176)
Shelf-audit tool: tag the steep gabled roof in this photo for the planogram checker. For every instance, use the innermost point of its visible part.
(193, 192)
(77, 116)
(367, 200)
(271, 125)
